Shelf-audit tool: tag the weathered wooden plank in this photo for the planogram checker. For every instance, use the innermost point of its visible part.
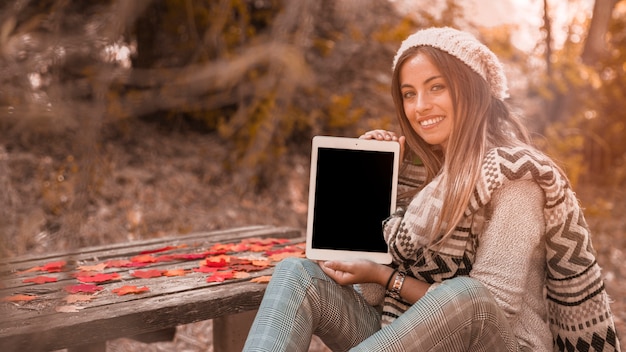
(171, 300)
(124, 249)
(131, 318)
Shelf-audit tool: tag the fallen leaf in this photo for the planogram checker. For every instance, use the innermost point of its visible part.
(144, 258)
(261, 263)
(124, 290)
(241, 275)
(68, 309)
(40, 279)
(78, 298)
(19, 298)
(98, 277)
(220, 276)
(118, 263)
(31, 270)
(261, 279)
(248, 267)
(175, 272)
(96, 267)
(54, 267)
(280, 256)
(216, 262)
(147, 274)
(205, 269)
(87, 288)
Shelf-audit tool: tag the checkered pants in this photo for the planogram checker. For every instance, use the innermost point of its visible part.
(300, 300)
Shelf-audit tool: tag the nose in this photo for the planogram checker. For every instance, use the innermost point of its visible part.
(422, 103)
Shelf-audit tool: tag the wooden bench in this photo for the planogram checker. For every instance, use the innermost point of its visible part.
(42, 324)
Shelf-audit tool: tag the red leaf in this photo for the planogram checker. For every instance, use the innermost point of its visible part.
(147, 274)
(87, 288)
(124, 290)
(54, 267)
(205, 269)
(40, 279)
(98, 277)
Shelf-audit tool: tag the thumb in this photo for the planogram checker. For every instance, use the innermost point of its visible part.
(402, 141)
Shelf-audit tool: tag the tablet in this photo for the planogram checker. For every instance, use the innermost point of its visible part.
(352, 190)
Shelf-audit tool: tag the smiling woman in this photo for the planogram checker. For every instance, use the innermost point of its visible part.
(489, 225)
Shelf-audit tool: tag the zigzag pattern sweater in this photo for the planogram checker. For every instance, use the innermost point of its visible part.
(578, 305)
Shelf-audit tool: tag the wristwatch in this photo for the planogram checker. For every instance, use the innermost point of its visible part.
(397, 285)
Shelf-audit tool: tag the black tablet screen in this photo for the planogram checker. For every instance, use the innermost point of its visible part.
(352, 199)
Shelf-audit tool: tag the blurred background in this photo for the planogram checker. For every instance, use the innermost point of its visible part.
(122, 120)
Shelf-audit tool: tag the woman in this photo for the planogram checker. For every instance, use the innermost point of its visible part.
(490, 248)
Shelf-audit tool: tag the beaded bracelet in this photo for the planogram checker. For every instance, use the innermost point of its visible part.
(397, 285)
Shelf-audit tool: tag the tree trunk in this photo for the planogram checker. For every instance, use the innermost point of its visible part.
(595, 44)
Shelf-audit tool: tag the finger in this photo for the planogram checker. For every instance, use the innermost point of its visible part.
(402, 141)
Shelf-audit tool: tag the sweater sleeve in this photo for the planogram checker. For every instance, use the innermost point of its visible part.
(510, 251)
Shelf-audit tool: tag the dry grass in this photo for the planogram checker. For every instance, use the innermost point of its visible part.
(148, 182)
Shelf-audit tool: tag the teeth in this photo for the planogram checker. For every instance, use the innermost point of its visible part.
(431, 121)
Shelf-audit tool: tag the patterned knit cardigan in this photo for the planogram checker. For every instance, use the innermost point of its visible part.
(578, 305)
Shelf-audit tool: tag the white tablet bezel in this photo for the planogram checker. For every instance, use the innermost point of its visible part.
(351, 144)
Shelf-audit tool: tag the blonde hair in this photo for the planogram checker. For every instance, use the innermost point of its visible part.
(481, 122)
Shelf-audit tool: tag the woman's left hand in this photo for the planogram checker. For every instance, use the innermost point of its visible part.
(356, 272)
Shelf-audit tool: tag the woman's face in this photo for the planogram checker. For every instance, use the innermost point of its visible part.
(426, 100)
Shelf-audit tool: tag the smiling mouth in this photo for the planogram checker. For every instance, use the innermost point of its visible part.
(432, 121)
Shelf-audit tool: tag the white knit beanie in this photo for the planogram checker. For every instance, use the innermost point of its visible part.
(464, 47)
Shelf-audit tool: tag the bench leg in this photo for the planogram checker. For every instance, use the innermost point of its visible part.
(230, 332)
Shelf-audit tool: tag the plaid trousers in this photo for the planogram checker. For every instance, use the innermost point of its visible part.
(301, 300)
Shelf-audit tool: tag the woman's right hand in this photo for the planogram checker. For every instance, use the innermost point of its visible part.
(384, 135)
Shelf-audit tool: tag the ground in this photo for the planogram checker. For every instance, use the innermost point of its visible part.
(149, 181)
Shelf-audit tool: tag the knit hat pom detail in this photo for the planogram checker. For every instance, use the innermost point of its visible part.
(465, 47)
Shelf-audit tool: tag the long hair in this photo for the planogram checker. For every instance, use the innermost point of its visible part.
(481, 122)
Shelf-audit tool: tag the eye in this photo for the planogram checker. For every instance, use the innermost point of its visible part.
(408, 95)
(437, 87)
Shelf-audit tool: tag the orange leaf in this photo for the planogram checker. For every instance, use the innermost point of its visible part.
(147, 274)
(216, 262)
(280, 256)
(241, 275)
(175, 272)
(144, 258)
(19, 298)
(124, 290)
(261, 263)
(40, 279)
(96, 267)
(119, 263)
(262, 279)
